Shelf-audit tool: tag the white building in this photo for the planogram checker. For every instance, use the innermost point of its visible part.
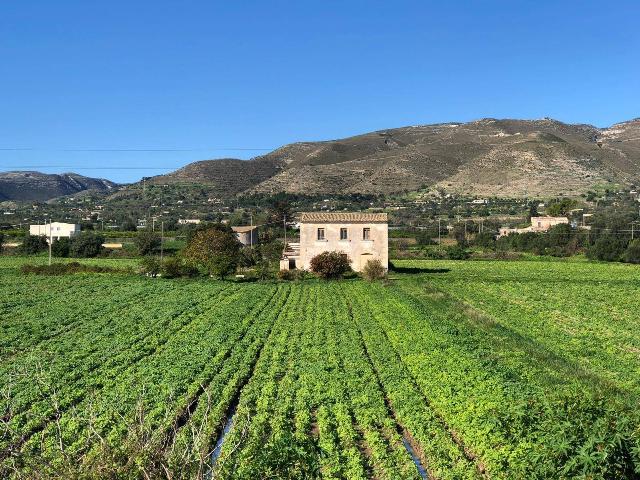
(55, 230)
(360, 236)
(188, 221)
(538, 224)
(247, 236)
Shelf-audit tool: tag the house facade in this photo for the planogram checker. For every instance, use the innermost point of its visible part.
(55, 230)
(360, 236)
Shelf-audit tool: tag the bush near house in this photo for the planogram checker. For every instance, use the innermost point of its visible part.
(61, 247)
(374, 270)
(330, 265)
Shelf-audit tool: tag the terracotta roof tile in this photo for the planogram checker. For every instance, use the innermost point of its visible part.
(342, 217)
(243, 229)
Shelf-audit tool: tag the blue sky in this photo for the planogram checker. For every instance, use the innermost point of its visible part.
(217, 79)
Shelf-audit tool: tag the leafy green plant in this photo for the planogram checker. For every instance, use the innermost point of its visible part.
(330, 265)
(373, 270)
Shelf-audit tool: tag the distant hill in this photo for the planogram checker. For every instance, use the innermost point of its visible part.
(36, 186)
(485, 157)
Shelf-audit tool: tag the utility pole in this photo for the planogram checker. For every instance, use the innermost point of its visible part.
(161, 241)
(251, 231)
(50, 241)
(439, 231)
(285, 231)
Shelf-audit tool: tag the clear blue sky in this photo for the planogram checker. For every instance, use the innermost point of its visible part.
(203, 76)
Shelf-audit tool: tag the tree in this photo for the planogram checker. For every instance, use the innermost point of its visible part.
(329, 265)
(87, 244)
(1, 241)
(34, 244)
(60, 247)
(607, 247)
(632, 255)
(459, 233)
(216, 251)
(485, 240)
(147, 242)
(129, 225)
(279, 209)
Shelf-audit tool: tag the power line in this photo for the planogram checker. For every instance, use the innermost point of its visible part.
(33, 149)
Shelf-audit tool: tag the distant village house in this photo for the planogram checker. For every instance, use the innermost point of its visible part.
(360, 236)
(538, 224)
(188, 221)
(55, 230)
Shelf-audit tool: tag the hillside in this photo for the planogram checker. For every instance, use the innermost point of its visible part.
(484, 157)
(36, 186)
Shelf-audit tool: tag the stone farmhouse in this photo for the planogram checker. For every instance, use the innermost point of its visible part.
(55, 230)
(538, 224)
(360, 236)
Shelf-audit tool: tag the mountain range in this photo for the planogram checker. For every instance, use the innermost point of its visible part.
(488, 157)
(36, 186)
(508, 158)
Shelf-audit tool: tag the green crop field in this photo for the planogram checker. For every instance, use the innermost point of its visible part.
(502, 370)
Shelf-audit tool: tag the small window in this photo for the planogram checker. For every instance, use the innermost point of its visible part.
(343, 234)
(366, 234)
(321, 234)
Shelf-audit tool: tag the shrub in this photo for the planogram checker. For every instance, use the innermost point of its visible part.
(374, 270)
(485, 240)
(150, 266)
(216, 251)
(263, 270)
(68, 268)
(295, 274)
(287, 275)
(456, 252)
(60, 247)
(174, 267)
(147, 242)
(608, 248)
(33, 244)
(329, 265)
(632, 254)
(87, 244)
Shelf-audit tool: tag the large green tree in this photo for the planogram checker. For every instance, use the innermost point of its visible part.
(147, 242)
(87, 244)
(216, 251)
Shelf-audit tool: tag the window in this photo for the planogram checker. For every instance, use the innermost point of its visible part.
(343, 234)
(321, 234)
(366, 234)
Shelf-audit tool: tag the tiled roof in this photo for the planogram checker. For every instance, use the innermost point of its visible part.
(244, 229)
(342, 217)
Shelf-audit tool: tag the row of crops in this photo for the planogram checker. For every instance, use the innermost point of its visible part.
(126, 377)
